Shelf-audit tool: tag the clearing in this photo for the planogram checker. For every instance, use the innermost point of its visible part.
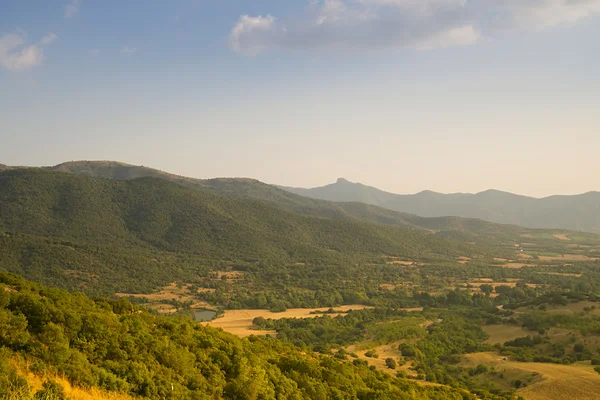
(567, 257)
(239, 322)
(161, 301)
(503, 333)
(547, 381)
(562, 236)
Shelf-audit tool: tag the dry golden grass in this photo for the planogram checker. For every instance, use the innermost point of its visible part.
(525, 256)
(561, 274)
(514, 265)
(389, 350)
(568, 257)
(558, 382)
(397, 262)
(463, 259)
(173, 291)
(574, 308)
(504, 333)
(235, 275)
(239, 322)
(562, 236)
(73, 392)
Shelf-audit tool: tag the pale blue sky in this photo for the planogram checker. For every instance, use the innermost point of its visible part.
(405, 95)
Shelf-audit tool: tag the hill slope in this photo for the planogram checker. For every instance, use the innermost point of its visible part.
(578, 212)
(113, 346)
(250, 189)
(142, 216)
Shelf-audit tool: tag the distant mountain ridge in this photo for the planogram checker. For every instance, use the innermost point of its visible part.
(360, 209)
(573, 212)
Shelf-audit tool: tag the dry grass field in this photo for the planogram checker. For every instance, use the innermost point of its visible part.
(159, 301)
(548, 381)
(503, 333)
(567, 257)
(562, 236)
(72, 392)
(239, 322)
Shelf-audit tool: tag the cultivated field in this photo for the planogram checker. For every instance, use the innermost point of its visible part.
(562, 236)
(548, 381)
(160, 301)
(503, 333)
(239, 322)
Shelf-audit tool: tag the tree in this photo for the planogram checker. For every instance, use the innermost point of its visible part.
(390, 363)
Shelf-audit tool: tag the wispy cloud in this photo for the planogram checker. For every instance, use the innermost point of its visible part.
(16, 55)
(72, 8)
(420, 24)
(129, 50)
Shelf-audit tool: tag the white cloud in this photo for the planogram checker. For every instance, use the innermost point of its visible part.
(460, 36)
(128, 50)
(72, 8)
(251, 34)
(421, 24)
(15, 55)
(538, 14)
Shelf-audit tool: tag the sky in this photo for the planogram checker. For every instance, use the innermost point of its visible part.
(403, 95)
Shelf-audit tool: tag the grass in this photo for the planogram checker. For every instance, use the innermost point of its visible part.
(503, 333)
(239, 322)
(544, 381)
(35, 383)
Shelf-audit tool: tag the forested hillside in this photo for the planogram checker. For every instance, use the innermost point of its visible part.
(114, 346)
(355, 207)
(89, 226)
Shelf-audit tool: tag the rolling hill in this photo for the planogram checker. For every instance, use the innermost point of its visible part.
(106, 221)
(577, 212)
(252, 189)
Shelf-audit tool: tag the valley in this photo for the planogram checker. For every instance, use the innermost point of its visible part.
(419, 307)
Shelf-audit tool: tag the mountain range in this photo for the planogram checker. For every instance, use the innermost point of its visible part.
(477, 230)
(52, 222)
(573, 212)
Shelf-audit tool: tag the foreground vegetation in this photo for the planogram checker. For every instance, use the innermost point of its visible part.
(115, 346)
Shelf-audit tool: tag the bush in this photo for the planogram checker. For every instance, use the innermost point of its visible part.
(51, 390)
(390, 363)
(372, 354)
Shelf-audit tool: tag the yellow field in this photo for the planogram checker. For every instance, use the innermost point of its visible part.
(553, 381)
(504, 333)
(389, 350)
(239, 322)
(562, 236)
(567, 257)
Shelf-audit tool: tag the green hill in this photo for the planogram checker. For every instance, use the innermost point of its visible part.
(359, 209)
(113, 346)
(123, 226)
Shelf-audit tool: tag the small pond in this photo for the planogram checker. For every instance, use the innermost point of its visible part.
(204, 315)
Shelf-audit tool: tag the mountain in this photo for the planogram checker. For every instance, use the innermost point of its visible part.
(98, 225)
(357, 209)
(576, 212)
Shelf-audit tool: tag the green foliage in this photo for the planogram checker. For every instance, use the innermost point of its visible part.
(112, 345)
(105, 236)
(390, 363)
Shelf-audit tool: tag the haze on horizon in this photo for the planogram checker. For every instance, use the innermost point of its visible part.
(443, 95)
